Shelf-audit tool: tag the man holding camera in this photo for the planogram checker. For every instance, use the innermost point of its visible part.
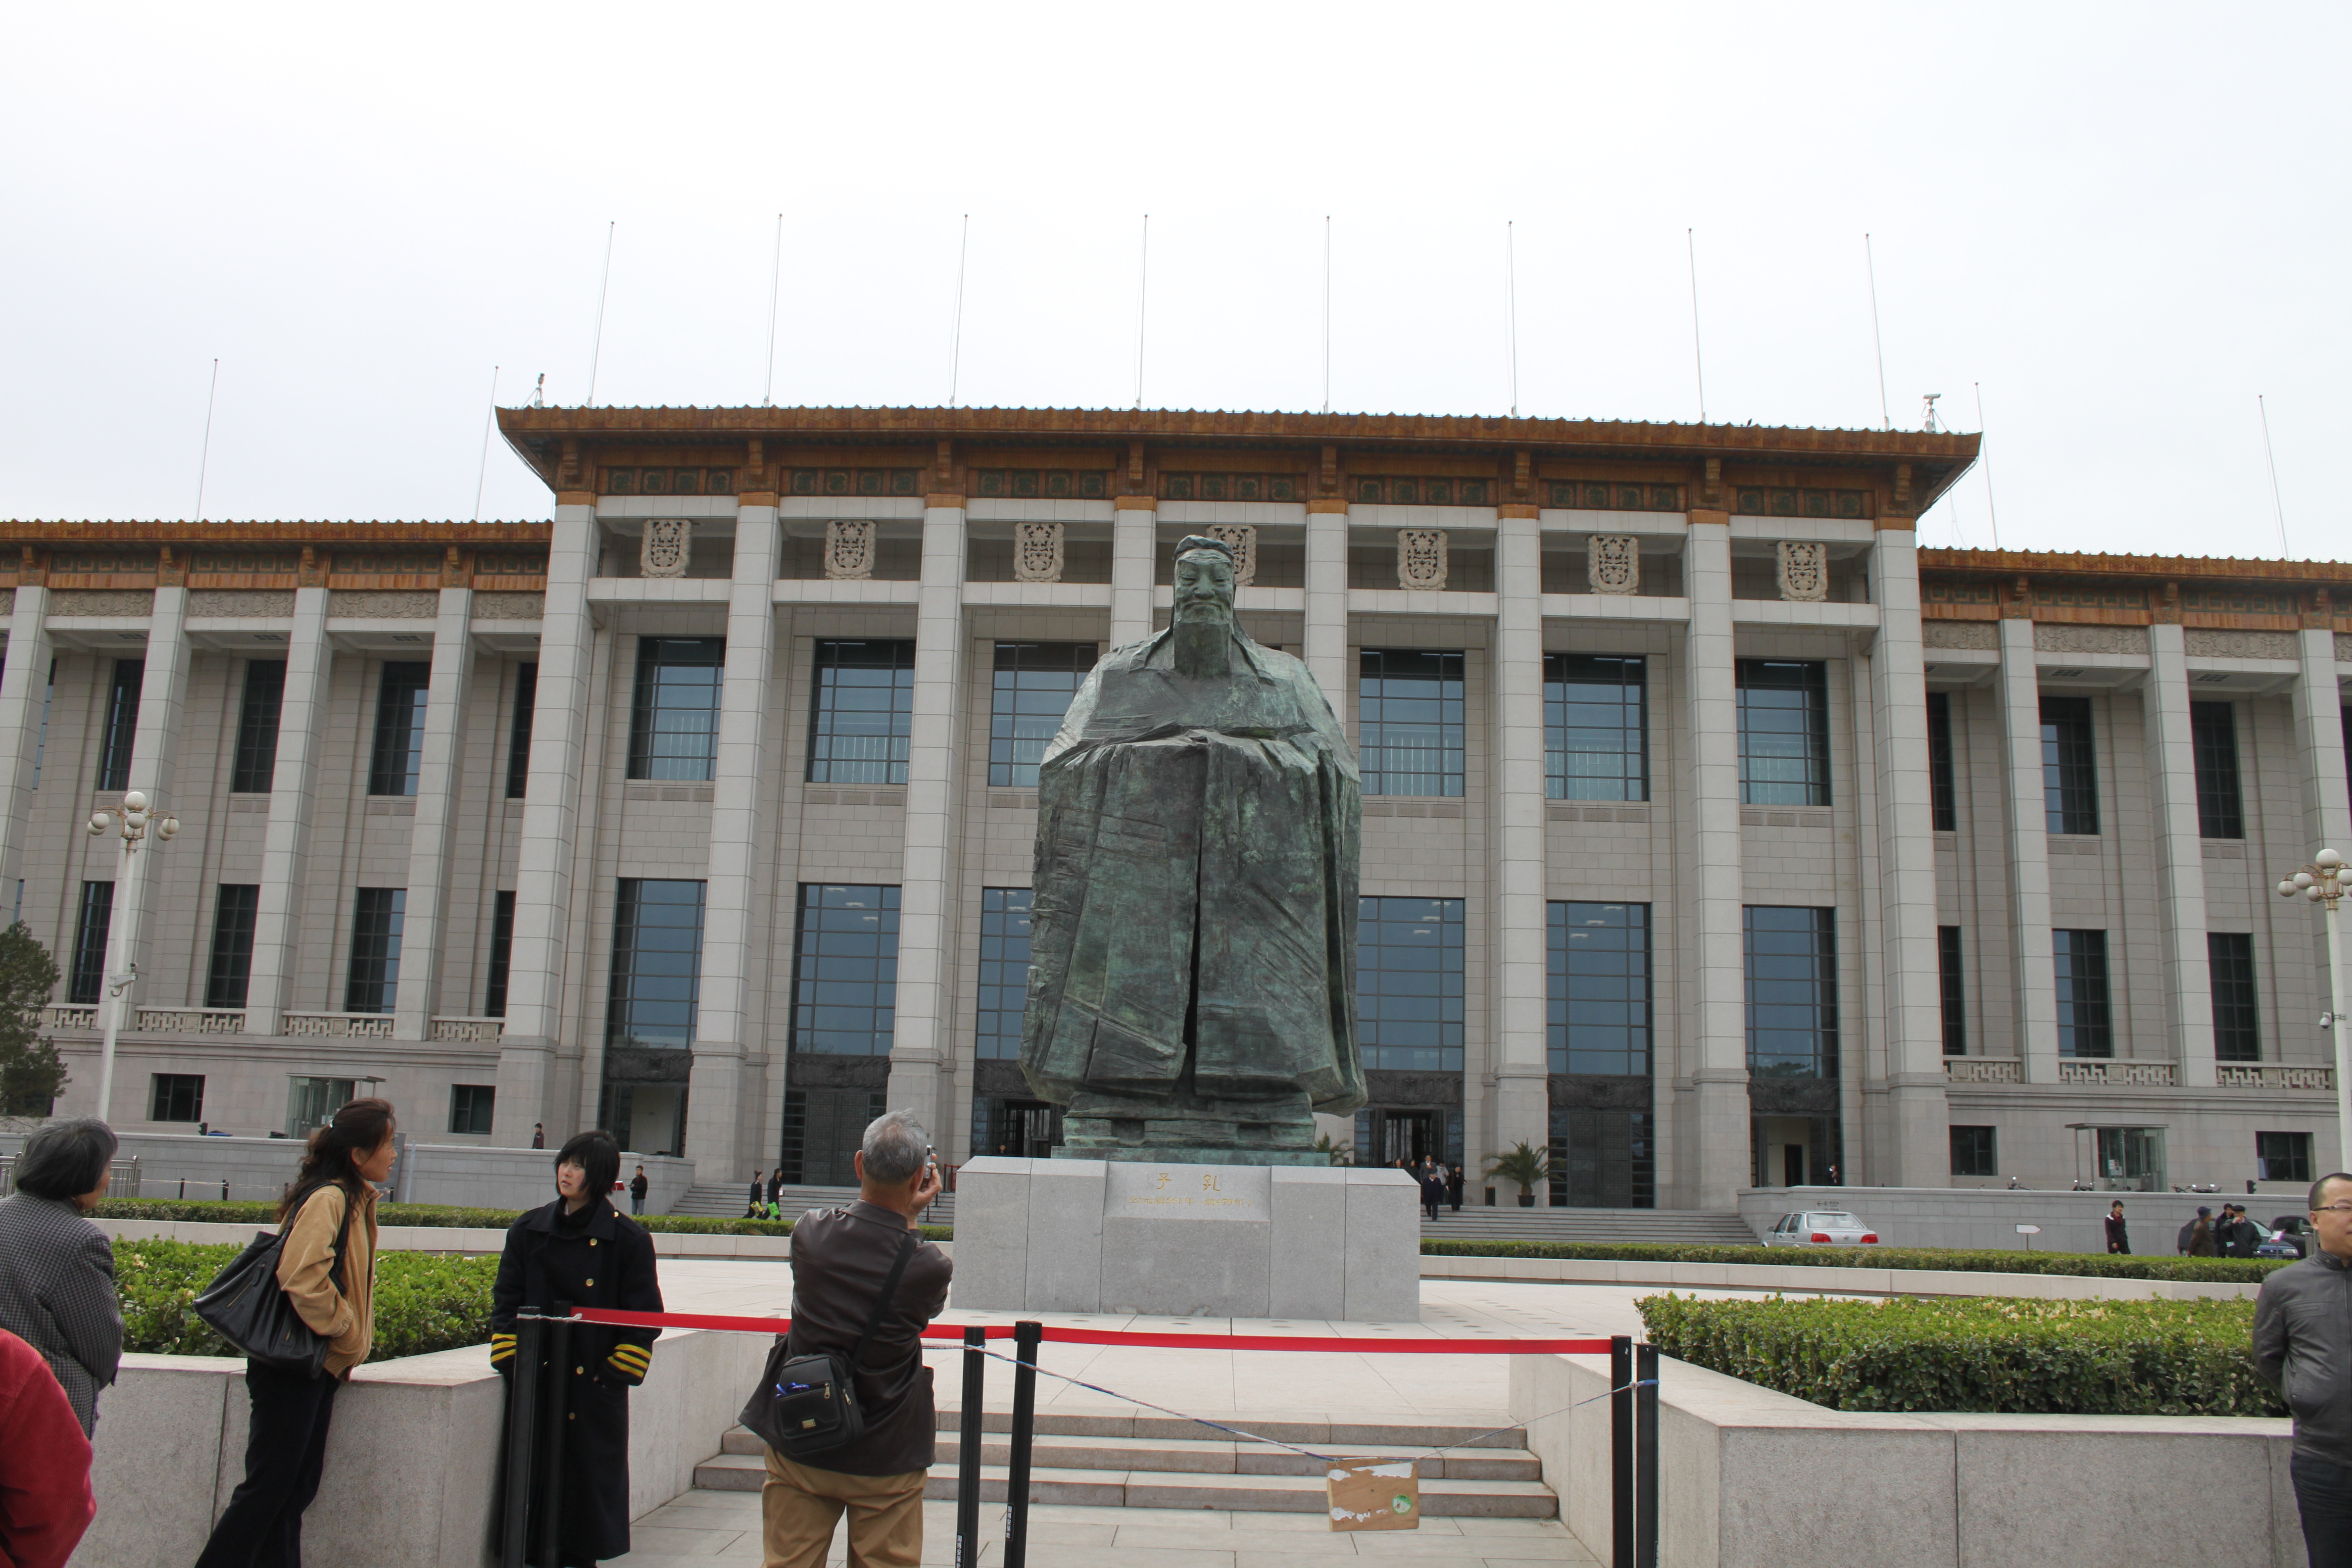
(842, 1259)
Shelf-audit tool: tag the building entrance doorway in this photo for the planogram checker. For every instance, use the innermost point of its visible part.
(1024, 1130)
(1409, 1135)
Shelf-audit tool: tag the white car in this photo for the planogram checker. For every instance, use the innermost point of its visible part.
(1821, 1227)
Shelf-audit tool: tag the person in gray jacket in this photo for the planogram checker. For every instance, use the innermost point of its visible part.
(57, 1269)
(2303, 1346)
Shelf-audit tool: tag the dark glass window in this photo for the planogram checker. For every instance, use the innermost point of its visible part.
(864, 711)
(1598, 987)
(1603, 1159)
(845, 970)
(232, 962)
(502, 954)
(1784, 732)
(1792, 1001)
(2085, 1026)
(1954, 991)
(400, 699)
(674, 722)
(256, 727)
(1409, 721)
(88, 979)
(121, 724)
(2213, 740)
(822, 1130)
(1973, 1152)
(2070, 768)
(471, 1105)
(1596, 728)
(657, 964)
(519, 736)
(1409, 975)
(41, 741)
(2237, 1022)
(2282, 1156)
(1003, 971)
(1943, 800)
(374, 984)
(1035, 683)
(175, 1097)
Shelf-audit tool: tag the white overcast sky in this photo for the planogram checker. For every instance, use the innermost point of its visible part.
(2124, 222)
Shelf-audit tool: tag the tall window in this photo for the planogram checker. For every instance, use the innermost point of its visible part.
(823, 1128)
(1598, 987)
(2070, 768)
(2213, 740)
(2237, 1022)
(1792, 1022)
(1409, 973)
(1953, 989)
(2282, 1156)
(41, 741)
(2085, 1025)
(471, 1107)
(91, 923)
(373, 983)
(175, 1097)
(1973, 1152)
(657, 964)
(231, 970)
(1003, 971)
(502, 954)
(1784, 732)
(256, 727)
(519, 735)
(1409, 721)
(863, 713)
(121, 724)
(674, 722)
(1596, 728)
(845, 970)
(1943, 800)
(399, 756)
(1035, 683)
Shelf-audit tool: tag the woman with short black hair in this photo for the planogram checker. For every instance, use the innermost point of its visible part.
(57, 1269)
(578, 1251)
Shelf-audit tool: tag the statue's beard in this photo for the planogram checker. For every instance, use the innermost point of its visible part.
(1204, 638)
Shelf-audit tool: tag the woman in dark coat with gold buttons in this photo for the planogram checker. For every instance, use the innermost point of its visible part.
(579, 1250)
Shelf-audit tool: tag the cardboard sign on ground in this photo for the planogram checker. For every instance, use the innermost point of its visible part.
(1374, 1494)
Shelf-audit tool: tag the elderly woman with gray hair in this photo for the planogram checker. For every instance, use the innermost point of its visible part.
(57, 1269)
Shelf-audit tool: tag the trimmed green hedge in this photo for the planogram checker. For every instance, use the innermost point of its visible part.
(1982, 1353)
(1993, 1260)
(438, 1216)
(423, 1301)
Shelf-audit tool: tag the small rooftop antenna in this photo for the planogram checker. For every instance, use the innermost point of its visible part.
(1984, 458)
(1927, 414)
(775, 277)
(1879, 343)
(1511, 305)
(539, 392)
(955, 333)
(596, 352)
(1699, 359)
(2277, 505)
(489, 419)
(205, 454)
(1142, 302)
(1327, 313)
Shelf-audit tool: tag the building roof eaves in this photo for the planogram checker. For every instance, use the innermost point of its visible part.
(2045, 562)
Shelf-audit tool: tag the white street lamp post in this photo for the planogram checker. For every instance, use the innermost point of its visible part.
(2325, 883)
(132, 827)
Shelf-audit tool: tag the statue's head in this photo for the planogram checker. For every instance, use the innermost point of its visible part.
(1204, 581)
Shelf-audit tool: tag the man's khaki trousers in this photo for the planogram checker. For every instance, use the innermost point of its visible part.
(800, 1505)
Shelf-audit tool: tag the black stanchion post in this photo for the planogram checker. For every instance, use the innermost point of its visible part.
(555, 1411)
(1620, 1451)
(967, 1552)
(1646, 1460)
(522, 1415)
(1026, 1337)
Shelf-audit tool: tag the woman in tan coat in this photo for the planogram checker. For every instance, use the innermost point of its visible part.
(327, 1268)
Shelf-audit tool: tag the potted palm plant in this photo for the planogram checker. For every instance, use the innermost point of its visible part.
(1523, 1164)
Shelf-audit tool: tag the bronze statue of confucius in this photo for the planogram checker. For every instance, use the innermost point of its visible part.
(1192, 933)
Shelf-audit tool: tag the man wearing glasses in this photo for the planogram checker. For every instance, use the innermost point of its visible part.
(2302, 1345)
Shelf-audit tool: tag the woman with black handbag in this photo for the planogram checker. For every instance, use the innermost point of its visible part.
(326, 1266)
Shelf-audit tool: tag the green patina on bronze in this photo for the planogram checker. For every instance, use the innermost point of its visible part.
(1192, 933)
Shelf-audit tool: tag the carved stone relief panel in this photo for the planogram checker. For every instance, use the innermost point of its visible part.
(1805, 570)
(2343, 647)
(2210, 643)
(1612, 562)
(1036, 552)
(1421, 558)
(2059, 637)
(1959, 634)
(1243, 539)
(849, 550)
(669, 544)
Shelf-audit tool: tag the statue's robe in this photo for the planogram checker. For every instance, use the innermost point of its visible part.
(1193, 930)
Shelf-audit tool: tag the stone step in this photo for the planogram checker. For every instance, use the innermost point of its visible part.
(1143, 1424)
(1444, 1498)
(727, 1202)
(1197, 1457)
(1690, 1227)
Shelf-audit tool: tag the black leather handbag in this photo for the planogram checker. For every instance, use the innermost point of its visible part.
(808, 1404)
(246, 1306)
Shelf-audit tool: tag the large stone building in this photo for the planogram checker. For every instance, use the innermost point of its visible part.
(1714, 833)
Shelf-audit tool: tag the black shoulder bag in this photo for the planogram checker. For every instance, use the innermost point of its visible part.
(246, 1306)
(808, 1403)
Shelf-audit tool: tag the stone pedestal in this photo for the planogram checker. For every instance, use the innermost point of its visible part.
(1188, 1240)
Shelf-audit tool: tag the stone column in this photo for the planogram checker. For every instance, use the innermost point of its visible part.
(1711, 890)
(154, 769)
(1324, 639)
(433, 833)
(1520, 1056)
(293, 793)
(922, 1057)
(2319, 737)
(1919, 1120)
(735, 887)
(1134, 547)
(535, 976)
(2033, 982)
(2179, 856)
(24, 692)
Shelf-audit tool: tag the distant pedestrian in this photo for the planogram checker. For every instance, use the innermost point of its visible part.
(2200, 1234)
(638, 1187)
(57, 1269)
(2180, 1242)
(2118, 1238)
(2303, 1346)
(44, 1501)
(538, 1135)
(757, 1208)
(775, 1186)
(1454, 1188)
(1433, 1194)
(2244, 1233)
